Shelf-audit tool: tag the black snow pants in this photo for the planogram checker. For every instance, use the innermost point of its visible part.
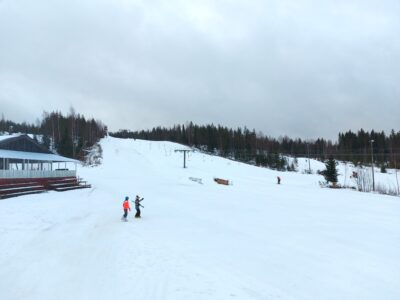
(137, 215)
(125, 213)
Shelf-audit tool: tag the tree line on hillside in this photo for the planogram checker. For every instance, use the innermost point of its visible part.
(68, 135)
(248, 146)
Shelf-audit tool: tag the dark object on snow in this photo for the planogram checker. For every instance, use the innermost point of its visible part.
(279, 179)
(221, 181)
(137, 206)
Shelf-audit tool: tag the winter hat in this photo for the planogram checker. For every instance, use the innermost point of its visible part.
(126, 198)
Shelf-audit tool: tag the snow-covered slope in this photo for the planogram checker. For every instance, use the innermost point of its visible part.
(250, 240)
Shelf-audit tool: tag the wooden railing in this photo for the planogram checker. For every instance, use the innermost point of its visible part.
(8, 174)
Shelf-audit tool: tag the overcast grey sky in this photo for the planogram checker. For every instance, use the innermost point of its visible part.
(301, 68)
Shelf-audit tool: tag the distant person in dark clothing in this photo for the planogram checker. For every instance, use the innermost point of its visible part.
(279, 179)
(137, 206)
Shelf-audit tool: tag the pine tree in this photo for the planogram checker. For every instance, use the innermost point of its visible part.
(330, 173)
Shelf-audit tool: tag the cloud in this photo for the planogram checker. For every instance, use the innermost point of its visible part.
(298, 68)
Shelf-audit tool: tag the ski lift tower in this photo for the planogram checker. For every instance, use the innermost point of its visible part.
(184, 155)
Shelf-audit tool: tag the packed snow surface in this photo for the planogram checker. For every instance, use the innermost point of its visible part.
(253, 239)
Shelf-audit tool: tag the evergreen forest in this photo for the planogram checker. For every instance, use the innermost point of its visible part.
(72, 134)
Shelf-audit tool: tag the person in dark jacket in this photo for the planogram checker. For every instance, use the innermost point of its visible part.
(137, 206)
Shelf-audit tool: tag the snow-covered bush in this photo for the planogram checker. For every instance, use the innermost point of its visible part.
(363, 180)
(94, 155)
(386, 189)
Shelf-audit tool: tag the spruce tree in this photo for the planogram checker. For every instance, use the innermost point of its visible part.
(330, 173)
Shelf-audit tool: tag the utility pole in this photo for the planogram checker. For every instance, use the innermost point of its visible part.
(372, 164)
(184, 155)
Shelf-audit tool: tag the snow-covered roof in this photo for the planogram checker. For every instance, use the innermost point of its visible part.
(34, 156)
(9, 136)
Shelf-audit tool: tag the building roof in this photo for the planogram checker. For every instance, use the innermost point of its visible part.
(33, 156)
(22, 142)
(9, 136)
(21, 146)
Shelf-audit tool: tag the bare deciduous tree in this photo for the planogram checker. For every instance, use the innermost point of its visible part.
(363, 180)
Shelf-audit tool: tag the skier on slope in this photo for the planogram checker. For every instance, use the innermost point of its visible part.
(126, 206)
(138, 205)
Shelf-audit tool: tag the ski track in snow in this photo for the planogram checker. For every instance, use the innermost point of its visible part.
(250, 240)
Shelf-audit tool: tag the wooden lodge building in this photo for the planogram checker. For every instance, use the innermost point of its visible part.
(26, 167)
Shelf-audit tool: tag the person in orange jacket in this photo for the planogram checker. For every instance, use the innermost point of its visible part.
(126, 206)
